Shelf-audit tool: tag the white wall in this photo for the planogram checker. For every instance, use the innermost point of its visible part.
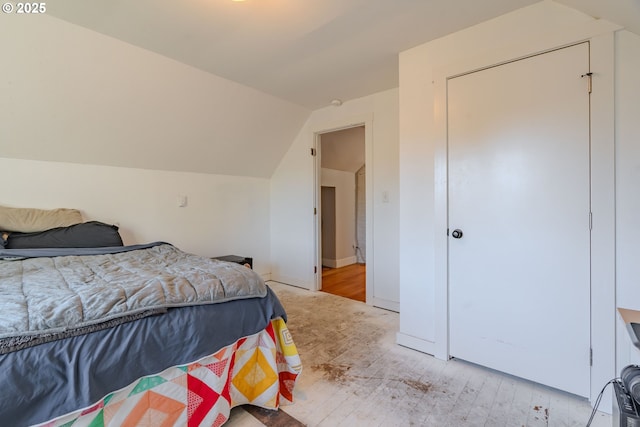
(292, 198)
(345, 239)
(419, 139)
(627, 187)
(97, 121)
(224, 214)
(423, 262)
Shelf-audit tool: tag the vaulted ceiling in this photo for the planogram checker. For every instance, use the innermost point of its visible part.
(212, 86)
(343, 150)
(303, 51)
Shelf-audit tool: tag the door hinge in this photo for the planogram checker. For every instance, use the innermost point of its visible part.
(315, 269)
(313, 151)
(590, 356)
(315, 211)
(589, 81)
(590, 221)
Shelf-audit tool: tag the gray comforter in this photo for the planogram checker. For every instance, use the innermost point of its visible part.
(48, 295)
(48, 380)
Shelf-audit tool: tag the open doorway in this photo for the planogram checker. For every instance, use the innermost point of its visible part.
(343, 212)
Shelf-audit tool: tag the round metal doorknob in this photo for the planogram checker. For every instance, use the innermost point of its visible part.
(456, 234)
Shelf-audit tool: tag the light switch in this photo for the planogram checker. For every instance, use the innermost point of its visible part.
(182, 201)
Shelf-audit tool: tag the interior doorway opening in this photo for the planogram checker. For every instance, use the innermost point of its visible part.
(343, 212)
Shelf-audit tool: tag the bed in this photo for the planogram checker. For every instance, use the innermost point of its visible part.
(95, 333)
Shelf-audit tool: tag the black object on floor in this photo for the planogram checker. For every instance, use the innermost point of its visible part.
(271, 418)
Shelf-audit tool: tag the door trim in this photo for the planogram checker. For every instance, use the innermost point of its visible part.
(601, 38)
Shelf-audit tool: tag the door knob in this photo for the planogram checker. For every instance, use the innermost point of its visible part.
(456, 234)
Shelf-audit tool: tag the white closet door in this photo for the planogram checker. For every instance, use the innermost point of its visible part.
(519, 279)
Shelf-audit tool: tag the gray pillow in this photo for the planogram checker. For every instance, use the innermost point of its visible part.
(92, 234)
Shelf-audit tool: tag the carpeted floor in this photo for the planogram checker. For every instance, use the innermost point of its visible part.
(355, 375)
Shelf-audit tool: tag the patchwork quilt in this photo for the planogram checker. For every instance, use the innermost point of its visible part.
(260, 369)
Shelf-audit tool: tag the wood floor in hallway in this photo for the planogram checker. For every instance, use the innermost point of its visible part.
(348, 281)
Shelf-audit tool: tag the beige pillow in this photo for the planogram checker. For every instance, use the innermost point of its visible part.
(27, 220)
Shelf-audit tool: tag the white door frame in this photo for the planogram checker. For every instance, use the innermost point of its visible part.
(367, 122)
(601, 38)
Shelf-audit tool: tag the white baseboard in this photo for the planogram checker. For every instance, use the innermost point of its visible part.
(292, 281)
(337, 263)
(415, 343)
(386, 304)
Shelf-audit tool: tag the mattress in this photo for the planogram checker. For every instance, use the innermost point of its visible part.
(187, 364)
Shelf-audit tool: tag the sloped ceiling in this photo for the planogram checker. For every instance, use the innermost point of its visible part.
(73, 95)
(621, 12)
(343, 150)
(210, 86)
(307, 52)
